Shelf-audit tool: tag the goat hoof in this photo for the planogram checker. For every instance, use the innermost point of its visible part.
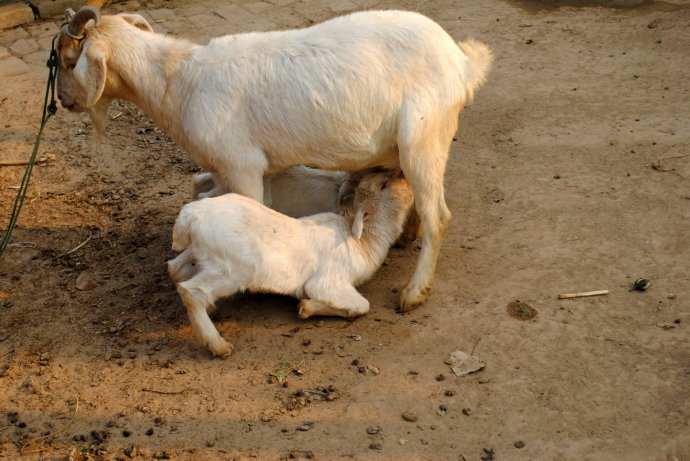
(305, 309)
(222, 349)
(411, 298)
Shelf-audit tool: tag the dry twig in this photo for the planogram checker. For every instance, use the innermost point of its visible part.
(583, 294)
(77, 247)
(47, 158)
(163, 392)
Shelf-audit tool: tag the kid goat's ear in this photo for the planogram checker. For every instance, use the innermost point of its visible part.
(358, 223)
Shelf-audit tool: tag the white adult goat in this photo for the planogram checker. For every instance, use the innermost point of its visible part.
(232, 243)
(370, 89)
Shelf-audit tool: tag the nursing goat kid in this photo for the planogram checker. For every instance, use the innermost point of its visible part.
(369, 89)
(232, 243)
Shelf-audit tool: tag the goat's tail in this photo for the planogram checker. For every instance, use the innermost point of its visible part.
(181, 237)
(481, 59)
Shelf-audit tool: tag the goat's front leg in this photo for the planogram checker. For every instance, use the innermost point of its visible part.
(246, 178)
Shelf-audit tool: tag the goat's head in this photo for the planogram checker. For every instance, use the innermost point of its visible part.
(83, 79)
(381, 195)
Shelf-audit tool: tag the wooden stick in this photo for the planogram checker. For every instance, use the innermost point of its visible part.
(47, 158)
(583, 294)
(163, 392)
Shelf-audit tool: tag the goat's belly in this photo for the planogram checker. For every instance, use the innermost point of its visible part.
(343, 156)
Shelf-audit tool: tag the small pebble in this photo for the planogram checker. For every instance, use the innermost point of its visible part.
(466, 411)
(149, 432)
(411, 417)
(126, 433)
(519, 444)
(424, 442)
(375, 446)
(371, 430)
(402, 441)
(440, 378)
(450, 393)
(304, 427)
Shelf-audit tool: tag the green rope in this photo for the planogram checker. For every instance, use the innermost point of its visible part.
(49, 109)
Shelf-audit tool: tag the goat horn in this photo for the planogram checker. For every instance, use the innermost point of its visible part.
(69, 14)
(75, 28)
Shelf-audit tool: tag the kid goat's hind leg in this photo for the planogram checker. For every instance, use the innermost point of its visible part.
(339, 301)
(423, 146)
(198, 303)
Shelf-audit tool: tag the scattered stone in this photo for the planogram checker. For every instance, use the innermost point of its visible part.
(642, 284)
(519, 444)
(667, 325)
(149, 432)
(463, 364)
(440, 378)
(24, 46)
(375, 446)
(371, 430)
(13, 66)
(86, 282)
(411, 417)
(304, 427)
(50, 8)
(423, 442)
(373, 369)
(126, 433)
(402, 441)
(467, 411)
(449, 393)
(15, 14)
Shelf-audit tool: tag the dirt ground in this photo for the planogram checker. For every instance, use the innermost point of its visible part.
(569, 173)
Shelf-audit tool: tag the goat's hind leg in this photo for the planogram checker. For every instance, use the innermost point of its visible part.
(423, 155)
(340, 301)
(199, 302)
(183, 267)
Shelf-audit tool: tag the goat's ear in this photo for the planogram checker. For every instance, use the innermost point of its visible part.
(91, 70)
(358, 223)
(137, 21)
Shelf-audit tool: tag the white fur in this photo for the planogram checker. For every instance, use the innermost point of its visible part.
(298, 191)
(232, 243)
(369, 89)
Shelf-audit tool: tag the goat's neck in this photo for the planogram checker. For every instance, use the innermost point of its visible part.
(376, 239)
(147, 65)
